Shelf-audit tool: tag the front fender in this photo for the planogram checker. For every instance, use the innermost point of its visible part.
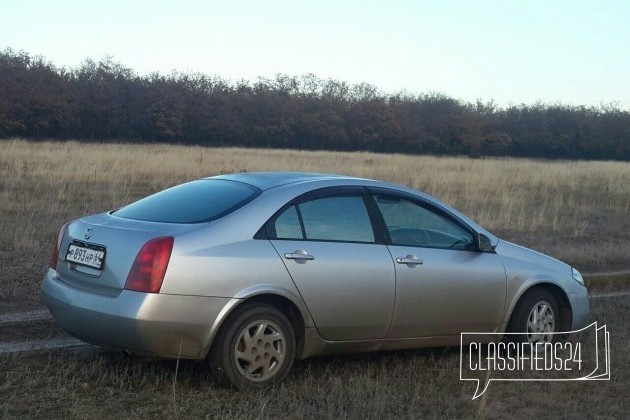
(518, 285)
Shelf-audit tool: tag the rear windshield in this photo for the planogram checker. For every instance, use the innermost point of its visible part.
(194, 202)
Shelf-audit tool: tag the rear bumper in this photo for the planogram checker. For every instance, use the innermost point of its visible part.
(581, 308)
(143, 323)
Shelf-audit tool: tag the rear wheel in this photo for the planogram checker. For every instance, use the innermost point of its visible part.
(254, 349)
(538, 316)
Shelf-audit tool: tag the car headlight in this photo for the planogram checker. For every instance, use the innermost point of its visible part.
(577, 276)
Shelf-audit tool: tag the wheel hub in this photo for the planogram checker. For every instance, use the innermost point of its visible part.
(541, 323)
(260, 350)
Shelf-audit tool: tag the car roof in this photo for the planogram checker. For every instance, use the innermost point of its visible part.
(266, 180)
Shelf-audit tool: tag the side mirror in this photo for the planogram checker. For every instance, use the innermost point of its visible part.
(483, 243)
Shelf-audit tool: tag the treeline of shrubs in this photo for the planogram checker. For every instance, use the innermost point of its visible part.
(103, 101)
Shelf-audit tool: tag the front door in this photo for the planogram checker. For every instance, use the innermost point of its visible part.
(444, 286)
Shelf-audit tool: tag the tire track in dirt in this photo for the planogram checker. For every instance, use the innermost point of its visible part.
(36, 345)
(28, 316)
(30, 320)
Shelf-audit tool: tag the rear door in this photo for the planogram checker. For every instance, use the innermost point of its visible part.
(340, 266)
(444, 285)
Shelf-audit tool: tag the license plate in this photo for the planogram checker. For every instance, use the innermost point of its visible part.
(89, 257)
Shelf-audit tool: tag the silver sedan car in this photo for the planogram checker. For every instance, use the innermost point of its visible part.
(250, 271)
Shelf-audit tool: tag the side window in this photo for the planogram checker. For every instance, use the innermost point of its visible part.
(288, 226)
(410, 224)
(337, 219)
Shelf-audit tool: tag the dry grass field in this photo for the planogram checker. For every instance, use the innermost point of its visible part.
(576, 211)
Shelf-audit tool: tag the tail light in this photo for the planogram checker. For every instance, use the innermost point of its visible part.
(149, 267)
(54, 256)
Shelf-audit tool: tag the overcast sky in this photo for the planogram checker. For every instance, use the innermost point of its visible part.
(574, 52)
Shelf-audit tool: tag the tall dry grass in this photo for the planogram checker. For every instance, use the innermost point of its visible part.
(577, 211)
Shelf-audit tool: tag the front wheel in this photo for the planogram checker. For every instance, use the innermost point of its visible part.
(254, 349)
(537, 316)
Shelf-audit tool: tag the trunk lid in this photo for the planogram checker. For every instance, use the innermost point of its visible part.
(117, 240)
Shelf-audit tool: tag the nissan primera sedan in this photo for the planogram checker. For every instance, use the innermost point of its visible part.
(251, 271)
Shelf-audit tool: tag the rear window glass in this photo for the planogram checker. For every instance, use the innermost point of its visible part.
(193, 202)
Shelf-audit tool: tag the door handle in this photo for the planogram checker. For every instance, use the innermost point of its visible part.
(410, 260)
(298, 254)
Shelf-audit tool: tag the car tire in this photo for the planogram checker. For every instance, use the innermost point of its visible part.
(255, 348)
(537, 314)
